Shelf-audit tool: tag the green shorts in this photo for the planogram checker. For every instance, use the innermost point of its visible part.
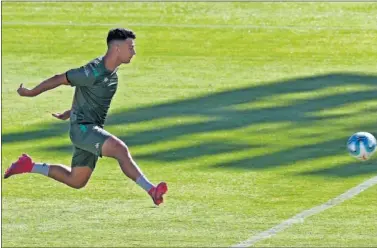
(87, 140)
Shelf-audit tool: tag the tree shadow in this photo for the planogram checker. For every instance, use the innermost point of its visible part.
(344, 170)
(223, 115)
(39, 132)
(210, 148)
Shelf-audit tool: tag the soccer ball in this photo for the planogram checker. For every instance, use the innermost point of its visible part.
(361, 145)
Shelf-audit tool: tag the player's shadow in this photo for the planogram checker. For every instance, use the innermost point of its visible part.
(222, 116)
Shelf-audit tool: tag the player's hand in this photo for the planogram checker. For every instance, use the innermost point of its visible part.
(22, 91)
(63, 116)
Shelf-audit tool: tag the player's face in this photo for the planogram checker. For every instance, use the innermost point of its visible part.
(127, 50)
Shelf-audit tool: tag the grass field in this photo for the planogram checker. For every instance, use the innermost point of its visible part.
(243, 108)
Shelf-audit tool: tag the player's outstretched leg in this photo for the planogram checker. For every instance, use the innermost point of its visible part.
(76, 177)
(116, 148)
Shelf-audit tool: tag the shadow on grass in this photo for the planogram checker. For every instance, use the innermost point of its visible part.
(345, 170)
(219, 107)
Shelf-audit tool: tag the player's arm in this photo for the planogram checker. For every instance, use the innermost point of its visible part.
(83, 76)
(63, 116)
(46, 85)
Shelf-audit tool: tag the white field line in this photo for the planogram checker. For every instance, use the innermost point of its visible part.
(299, 218)
(213, 26)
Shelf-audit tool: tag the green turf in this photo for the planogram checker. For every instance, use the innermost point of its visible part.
(358, 226)
(243, 108)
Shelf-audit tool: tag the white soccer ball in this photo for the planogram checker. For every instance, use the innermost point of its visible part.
(361, 145)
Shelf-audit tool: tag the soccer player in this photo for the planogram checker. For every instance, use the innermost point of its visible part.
(96, 83)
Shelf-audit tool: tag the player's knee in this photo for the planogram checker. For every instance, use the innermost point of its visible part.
(122, 153)
(79, 184)
(118, 148)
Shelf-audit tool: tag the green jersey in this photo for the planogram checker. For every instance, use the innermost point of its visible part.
(95, 88)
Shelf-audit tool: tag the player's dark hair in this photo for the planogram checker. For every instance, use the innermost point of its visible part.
(120, 34)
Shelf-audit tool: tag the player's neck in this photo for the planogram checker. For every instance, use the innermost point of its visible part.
(110, 62)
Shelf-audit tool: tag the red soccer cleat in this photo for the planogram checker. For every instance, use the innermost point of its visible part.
(24, 164)
(157, 192)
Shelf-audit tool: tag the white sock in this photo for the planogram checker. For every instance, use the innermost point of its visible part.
(144, 183)
(41, 168)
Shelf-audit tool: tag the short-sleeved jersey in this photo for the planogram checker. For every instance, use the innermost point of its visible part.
(95, 88)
